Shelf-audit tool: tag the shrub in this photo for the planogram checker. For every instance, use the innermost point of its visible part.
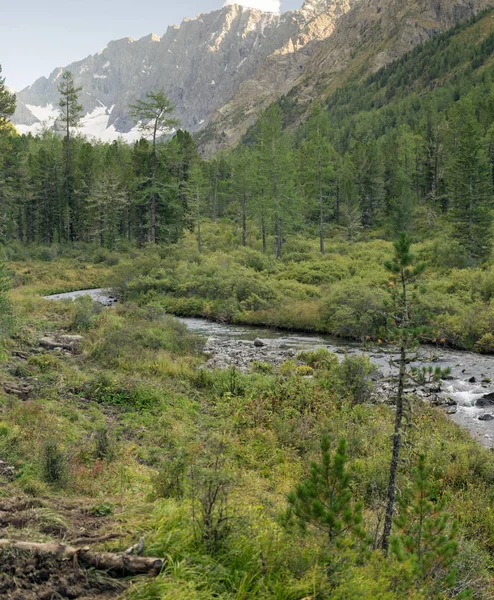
(318, 359)
(354, 310)
(54, 464)
(102, 510)
(486, 344)
(356, 374)
(84, 312)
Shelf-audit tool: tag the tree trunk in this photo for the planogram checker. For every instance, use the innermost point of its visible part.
(321, 219)
(244, 220)
(152, 232)
(279, 241)
(395, 457)
(263, 233)
(118, 564)
(199, 241)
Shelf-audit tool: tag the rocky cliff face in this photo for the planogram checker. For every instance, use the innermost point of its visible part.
(200, 65)
(221, 69)
(367, 35)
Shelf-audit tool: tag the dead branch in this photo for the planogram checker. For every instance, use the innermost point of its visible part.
(116, 563)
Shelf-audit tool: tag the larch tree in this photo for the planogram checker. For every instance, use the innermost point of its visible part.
(317, 171)
(69, 119)
(152, 116)
(7, 103)
(275, 165)
(197, 192)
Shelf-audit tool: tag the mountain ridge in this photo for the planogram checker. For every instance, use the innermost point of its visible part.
(222, 69)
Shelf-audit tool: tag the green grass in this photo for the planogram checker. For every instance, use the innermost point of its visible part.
(136, 418)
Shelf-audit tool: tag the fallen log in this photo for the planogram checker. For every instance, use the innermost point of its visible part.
(115, 563)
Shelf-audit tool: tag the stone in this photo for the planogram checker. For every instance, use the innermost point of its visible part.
(486, 417)
(472, 380)
(258, 343)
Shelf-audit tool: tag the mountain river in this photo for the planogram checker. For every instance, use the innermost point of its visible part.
(468, 395)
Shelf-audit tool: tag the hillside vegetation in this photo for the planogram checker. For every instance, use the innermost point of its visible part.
(135, 437)
(272, 483)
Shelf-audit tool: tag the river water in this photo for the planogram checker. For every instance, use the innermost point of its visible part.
(472, 375)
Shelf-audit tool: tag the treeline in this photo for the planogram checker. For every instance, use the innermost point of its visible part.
(411, 148)
(105, 196)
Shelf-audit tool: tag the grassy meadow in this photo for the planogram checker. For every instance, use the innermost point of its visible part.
(134, 429)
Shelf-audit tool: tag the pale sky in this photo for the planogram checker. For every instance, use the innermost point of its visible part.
(36, 36)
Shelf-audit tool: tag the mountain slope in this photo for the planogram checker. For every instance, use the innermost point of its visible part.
(370, 35)
(200, 64)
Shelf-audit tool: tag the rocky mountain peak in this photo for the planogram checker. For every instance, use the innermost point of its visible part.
(220, 69)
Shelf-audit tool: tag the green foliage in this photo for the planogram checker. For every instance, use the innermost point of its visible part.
(5, 305)
(84, 313)
(7, 103)
(356, 373)
(102, 510)
(54, 464)
(318, 359)
(427, 534)
(325, 501)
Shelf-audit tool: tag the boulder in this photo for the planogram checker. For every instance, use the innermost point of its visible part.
(258, 343)
(486, 417)
(486, 400)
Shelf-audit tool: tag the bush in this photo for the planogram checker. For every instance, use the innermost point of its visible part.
(356, 374)
(83, 313)
(54, 464)
(354, 310)
(486, 344)
(318, 359)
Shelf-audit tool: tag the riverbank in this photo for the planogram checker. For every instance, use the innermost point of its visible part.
(467, 395)
(344, 292)
(132, 413)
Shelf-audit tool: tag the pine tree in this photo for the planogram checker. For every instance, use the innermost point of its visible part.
(404, 331)
(325, 501)
(152, 117)
(427, 535)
